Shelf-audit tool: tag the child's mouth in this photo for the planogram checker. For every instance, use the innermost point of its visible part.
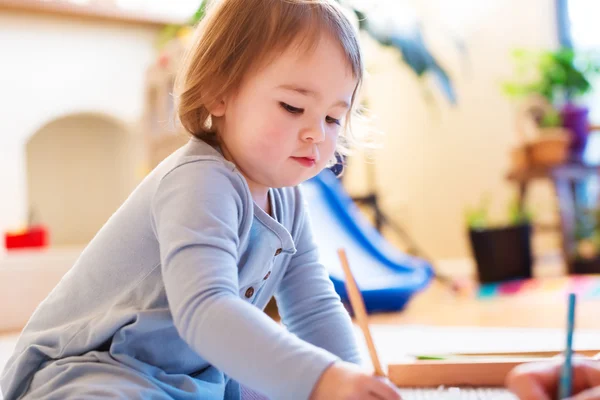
(305, 161)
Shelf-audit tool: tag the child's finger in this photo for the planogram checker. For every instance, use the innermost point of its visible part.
(540, 380)
(382, 389)
(529, 390)
(534, 381)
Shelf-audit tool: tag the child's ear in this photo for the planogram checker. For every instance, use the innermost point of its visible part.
(217, 109)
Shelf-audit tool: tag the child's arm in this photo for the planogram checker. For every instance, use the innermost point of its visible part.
(308, 303)
(198, 210)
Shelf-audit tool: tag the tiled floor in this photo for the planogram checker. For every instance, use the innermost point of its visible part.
(7, 344)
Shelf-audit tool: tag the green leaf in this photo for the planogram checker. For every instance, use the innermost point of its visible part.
(559, 72)
(517, 215)
(478, 218)
(551, 119)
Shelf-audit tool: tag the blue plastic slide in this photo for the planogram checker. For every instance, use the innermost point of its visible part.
(386, 277)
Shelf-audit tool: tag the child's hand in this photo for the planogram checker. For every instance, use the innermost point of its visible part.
(345, 381)
(540, 381)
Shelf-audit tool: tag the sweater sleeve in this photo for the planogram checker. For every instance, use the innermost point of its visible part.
(308, 303)
(197, 210)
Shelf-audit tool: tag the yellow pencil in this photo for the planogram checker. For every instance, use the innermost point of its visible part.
(358, 305)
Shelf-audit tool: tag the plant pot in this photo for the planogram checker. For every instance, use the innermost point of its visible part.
(552, 148)
(585, 266)
(503, 253)
(575, 119)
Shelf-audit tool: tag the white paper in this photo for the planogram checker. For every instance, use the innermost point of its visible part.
(395, 343)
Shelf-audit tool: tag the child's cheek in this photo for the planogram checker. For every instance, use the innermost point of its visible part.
(275, 133)
(273, 141)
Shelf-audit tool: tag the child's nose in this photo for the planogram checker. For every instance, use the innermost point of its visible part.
(314, 134)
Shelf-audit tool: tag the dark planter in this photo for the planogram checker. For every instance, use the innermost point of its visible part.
(581, 266)
(575, 119)
(502, 254)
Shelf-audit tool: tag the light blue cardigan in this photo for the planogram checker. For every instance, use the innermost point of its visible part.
(166, 300)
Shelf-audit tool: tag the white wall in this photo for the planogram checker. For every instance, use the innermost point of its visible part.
(52, 67)
(437, 160)
(80, 169)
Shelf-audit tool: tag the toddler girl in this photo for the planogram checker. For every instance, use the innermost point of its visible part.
(166, 301)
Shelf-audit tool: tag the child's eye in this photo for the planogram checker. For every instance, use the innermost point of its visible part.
(331, 120)
(291, 109)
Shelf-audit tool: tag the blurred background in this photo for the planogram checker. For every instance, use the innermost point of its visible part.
(487, 112)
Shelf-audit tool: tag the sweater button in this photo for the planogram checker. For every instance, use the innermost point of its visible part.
(278, 251)
(249, 292)
(267, 275)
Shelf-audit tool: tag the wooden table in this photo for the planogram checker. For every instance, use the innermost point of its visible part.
(438, 305)
(568, 180)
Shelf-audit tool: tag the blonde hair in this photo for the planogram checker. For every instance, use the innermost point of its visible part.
(237, 36)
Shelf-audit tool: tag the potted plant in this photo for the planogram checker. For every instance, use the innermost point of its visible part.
(561, 77)
(502, 251)
(544, 142)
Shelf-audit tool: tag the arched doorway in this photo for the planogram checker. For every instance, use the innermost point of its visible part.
(80, 168)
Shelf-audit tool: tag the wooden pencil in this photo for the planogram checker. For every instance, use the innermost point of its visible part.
(360, 313)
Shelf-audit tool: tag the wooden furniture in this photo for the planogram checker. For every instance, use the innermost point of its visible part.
(566, 179)
(453, 373)
(160, 130)
(467, 371)
(438, 305)
(96, 10)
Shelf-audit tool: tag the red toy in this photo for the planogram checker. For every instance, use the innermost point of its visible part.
(33, 236)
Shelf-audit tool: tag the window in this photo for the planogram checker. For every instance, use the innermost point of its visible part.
(582, 23)
(578, 27)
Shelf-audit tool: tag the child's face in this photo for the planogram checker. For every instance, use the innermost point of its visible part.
(281, 127)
